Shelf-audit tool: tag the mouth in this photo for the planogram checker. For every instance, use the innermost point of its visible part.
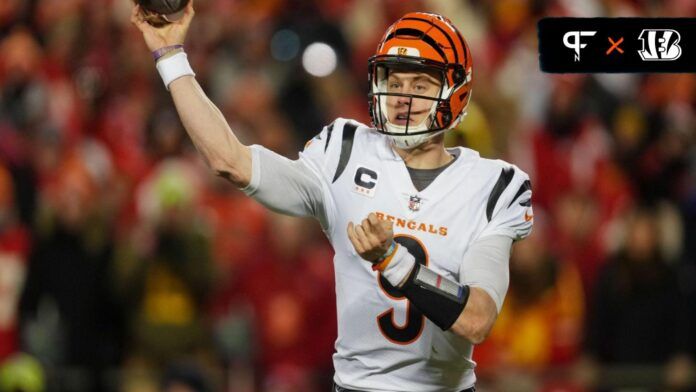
(404, 119)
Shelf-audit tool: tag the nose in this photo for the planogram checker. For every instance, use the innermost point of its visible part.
(403, 100)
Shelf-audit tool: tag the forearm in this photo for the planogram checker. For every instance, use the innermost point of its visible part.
(467, 310)
(210, 133)
(204, 123)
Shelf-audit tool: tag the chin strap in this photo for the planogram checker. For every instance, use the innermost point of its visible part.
(410, 142)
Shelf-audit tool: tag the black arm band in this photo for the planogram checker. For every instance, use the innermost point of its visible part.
(438, 298)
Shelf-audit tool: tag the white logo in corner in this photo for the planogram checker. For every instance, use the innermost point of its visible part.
(575, 44)
(660, 45)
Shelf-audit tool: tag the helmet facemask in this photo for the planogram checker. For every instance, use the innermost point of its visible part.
(409, 101)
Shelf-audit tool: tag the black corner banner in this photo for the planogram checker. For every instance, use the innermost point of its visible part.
(584, 45)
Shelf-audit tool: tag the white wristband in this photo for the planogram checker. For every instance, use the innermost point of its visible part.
(173, 68)
(400, 266)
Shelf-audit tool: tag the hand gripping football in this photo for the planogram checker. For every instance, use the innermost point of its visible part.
(161, 12)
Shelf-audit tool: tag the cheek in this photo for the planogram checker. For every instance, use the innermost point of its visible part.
(391, 100)
(421, 104)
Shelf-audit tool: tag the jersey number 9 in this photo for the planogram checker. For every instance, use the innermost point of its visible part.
(415, 321)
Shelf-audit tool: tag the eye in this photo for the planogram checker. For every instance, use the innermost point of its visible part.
(394, 85)
(421, 87)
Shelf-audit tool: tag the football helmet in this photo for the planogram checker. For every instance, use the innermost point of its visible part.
(426, 44)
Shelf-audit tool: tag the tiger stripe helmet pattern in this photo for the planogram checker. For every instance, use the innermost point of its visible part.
(427, 42)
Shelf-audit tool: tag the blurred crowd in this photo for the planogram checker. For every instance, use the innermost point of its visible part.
(125, 264)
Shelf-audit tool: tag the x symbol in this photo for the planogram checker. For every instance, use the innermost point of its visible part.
(615, 45)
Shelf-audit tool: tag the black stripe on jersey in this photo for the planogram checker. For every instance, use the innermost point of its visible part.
(503, 181)
(526, 186)
(328, 136)
(346, 149)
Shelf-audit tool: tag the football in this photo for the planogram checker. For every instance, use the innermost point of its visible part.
(161, 12)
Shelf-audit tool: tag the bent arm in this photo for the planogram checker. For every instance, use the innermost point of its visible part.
(477, 319)
(210, 133)
(468, 308)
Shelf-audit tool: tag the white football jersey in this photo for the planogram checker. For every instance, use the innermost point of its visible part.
(384, 344)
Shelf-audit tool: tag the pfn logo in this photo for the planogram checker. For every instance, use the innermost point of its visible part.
(575, 44)
(660, 45)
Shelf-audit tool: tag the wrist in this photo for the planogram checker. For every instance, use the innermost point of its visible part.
(174, 67)
(397, 266)
(166, 51)
(169, 54)
(387, 255)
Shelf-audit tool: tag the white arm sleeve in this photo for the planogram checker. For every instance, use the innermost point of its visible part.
(486, 265)
(285, 186)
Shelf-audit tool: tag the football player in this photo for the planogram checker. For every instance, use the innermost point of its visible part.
(422, 234)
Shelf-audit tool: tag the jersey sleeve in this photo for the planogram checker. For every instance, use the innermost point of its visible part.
(509, 207)
(285, 186)
(301, 187)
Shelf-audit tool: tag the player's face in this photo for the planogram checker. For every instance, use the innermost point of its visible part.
(412, 83)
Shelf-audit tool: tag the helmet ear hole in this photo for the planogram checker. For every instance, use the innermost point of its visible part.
(445, 113)
(458, 74)
(446, 118)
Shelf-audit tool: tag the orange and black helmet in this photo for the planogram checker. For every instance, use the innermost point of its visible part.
(425, 42)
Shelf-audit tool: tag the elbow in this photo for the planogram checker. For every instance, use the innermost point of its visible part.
(479, 335)
(235, 166)
(231, 174)
(476, 321)
(473, 329)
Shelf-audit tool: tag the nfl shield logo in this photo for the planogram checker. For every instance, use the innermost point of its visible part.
(414, 203)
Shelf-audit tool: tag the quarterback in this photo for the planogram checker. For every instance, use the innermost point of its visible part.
(422, 234)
